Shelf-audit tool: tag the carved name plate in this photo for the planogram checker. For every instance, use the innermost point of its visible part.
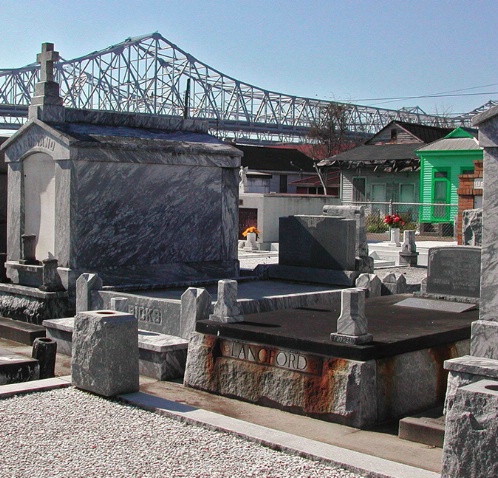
(146, 314)
(264, 355)
(454, 271)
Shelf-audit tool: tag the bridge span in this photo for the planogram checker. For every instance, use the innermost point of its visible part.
(149, 74)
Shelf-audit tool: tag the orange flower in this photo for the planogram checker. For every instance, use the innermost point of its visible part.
(251, 229)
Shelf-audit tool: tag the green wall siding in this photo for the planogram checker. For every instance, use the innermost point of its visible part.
(454, 165)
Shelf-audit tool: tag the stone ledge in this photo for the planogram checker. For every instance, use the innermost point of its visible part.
(17, 289)
(21, 332)
(313, 275)
(473, 365)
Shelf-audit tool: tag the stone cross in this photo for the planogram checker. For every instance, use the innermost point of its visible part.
(46, 58)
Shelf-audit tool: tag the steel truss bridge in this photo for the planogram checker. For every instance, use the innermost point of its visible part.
(149, 74)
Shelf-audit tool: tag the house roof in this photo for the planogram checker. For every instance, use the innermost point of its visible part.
(265, 158)
(391, 156)
(460, 139)
(421, 132)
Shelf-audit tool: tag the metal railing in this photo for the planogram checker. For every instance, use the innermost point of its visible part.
(432, 221)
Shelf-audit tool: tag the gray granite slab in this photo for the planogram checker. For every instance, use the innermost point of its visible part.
(321, 242)
(440, 305)
(454, 271)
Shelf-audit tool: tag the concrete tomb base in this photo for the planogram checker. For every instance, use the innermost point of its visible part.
(285, 359)
(29, 304)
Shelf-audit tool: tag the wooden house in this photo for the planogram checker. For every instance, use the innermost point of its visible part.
(441, 164)
(386, 167)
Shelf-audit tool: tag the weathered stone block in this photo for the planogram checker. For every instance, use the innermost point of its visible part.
(327, 388)
(105, 352)
(470, 443)
(371, 283)
(196, 305)
(394, 284)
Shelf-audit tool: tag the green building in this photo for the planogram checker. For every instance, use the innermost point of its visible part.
(441, 162)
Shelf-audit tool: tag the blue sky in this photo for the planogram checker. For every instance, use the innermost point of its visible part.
(340, 50)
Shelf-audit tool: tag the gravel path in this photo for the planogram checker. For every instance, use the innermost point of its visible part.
(70, 433)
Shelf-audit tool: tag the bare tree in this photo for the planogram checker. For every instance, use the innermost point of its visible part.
(329, 135)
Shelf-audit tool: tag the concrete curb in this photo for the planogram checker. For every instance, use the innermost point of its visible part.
(43, 385)
(351, 460)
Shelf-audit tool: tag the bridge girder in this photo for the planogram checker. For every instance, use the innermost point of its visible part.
(149, 74)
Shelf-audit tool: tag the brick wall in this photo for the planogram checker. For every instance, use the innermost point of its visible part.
(466, 195)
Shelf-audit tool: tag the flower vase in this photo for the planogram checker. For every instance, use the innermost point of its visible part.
(251, 244)
(395, 236)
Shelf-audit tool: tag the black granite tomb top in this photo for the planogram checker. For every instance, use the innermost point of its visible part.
(395, 330)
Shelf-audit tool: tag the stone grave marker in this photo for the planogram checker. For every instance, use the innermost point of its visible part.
(319, 242)
(454, 271)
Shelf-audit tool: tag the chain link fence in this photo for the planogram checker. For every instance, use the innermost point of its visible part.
(433, 222)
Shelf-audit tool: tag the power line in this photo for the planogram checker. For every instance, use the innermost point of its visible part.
(400, 98)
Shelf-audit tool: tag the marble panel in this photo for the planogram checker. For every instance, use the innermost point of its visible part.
(484, 338)
(358, 214)
(158, 223)
(489, 256)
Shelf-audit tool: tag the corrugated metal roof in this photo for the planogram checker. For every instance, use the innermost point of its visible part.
(452, 144)
(375, 153)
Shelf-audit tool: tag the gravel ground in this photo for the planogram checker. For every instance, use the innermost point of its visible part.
(70, 433)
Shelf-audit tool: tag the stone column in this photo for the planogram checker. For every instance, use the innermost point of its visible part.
(408, 255)
(471, 398)
(226, 308)
(84, 286)
(196, 305)
(352, 325)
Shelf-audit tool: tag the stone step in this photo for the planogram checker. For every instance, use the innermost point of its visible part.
(426, 428)
(21, 332)
(15, 368)
(161, 356)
